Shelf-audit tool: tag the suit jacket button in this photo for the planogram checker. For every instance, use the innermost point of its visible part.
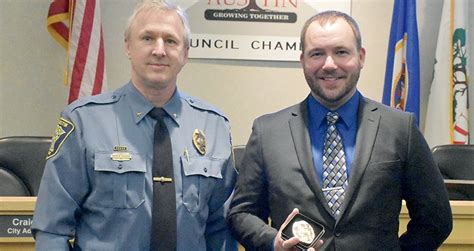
(337, 234)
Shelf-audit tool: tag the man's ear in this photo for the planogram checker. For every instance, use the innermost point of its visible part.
(302, 58)
(186, 55)
(362, 57)
(127, 48)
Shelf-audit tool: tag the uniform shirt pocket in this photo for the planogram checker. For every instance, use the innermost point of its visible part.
(119, 184)
(200, 175)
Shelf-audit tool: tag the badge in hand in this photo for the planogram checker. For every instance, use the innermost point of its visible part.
(306, 229)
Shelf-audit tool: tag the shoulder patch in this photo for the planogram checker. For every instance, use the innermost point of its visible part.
(63, 130)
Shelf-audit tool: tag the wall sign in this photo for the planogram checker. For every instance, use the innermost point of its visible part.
(252, 29)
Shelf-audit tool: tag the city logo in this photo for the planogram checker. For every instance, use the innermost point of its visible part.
(269, 11)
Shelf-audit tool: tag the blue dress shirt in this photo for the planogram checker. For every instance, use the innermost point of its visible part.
(105, 203)
(346, 126)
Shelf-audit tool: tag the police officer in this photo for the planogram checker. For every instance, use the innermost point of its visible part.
(97, 187)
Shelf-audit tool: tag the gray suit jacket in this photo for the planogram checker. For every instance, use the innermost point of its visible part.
(391, 162)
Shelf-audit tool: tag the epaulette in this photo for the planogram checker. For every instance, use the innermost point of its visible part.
(103, 98)
(201, 105)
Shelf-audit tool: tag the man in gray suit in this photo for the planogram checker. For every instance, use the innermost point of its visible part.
(343, 160)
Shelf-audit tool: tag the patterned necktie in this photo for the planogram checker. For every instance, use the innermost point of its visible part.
(163, 229)
(334, 166)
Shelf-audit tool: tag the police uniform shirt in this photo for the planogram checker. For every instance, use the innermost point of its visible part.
(97, 186)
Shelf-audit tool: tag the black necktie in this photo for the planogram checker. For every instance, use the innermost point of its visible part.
(163, 234)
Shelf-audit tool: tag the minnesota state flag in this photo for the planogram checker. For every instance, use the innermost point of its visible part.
(447, 118)
(402, 73)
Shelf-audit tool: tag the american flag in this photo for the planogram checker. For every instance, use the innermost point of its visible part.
(76, 25)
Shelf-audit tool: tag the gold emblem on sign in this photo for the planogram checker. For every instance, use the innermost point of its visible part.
(199, 141)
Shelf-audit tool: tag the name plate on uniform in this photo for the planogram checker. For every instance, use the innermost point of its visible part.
(121, 156)
(15, 225)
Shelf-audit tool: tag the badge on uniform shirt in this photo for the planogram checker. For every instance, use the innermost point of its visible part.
(63, 130)
(199, 141)
(121, 153)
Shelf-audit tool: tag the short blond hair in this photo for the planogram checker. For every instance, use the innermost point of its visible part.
(159, 5)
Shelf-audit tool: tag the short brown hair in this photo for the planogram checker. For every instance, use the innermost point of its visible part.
(331, 16)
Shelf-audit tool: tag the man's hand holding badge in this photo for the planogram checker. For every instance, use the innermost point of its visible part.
(298, 232)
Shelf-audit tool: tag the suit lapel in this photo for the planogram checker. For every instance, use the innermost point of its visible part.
(299, 125)
(368, 122)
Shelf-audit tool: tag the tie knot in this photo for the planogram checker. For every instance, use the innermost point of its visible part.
(157, 113)
(332, 117)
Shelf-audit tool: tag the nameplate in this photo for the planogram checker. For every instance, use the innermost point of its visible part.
(15, 225)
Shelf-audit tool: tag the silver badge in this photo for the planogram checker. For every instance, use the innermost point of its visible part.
(304, 231)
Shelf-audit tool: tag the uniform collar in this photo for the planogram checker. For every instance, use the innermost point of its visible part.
(140, 106)
(174, 107)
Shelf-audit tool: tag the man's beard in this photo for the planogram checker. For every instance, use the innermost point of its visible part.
(319, 92)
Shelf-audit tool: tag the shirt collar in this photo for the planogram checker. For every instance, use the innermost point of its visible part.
(347, 112)
(140, 106)
(174, 107)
